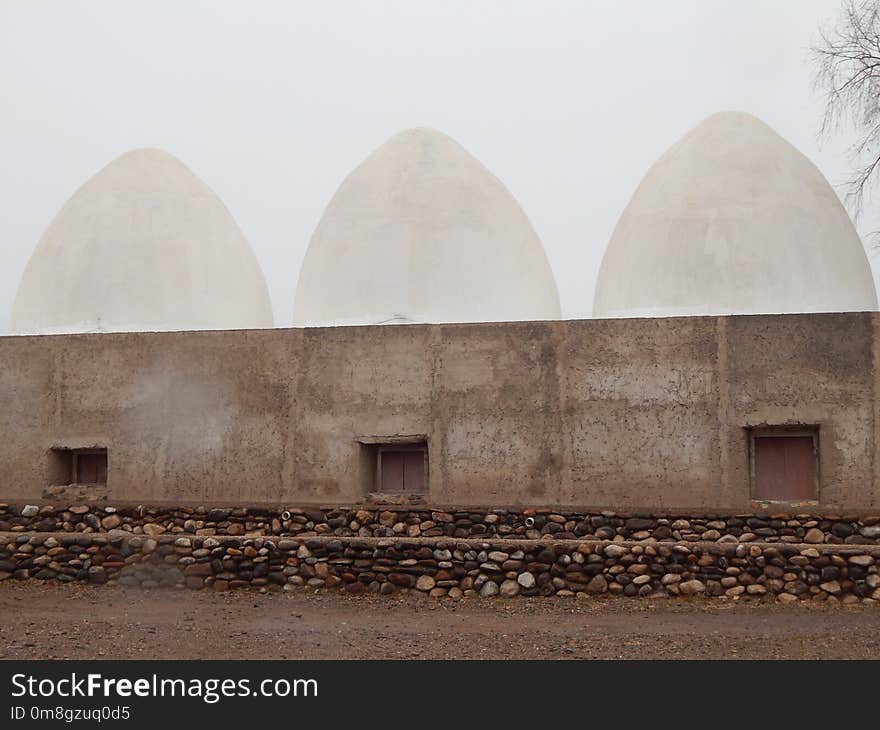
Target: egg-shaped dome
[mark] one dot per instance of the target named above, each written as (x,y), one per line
(143,245)
(733,220)
(422,232)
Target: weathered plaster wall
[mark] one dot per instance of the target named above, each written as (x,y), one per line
(596,413)
(641,413)
(807,369)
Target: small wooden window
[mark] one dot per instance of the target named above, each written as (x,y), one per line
(785,465)
(90,467)
(402,469)
(394,467)
(78,466)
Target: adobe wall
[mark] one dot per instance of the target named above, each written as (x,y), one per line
(630,414)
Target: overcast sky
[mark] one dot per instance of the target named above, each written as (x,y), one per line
(273,103)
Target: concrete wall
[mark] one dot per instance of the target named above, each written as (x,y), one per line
(637,414)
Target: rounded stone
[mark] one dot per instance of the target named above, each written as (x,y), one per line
(614,551)
(509,589)
(111,522)
(692,587)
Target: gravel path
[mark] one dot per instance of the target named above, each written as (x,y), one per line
(39,621)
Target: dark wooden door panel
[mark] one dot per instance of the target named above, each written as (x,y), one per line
(414,471)
(392,471)
(785,468)
(403,470)
(91,468)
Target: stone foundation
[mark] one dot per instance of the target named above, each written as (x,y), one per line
(454,568)
(388,522)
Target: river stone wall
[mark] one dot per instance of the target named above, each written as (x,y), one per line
(528,524)
(441,567)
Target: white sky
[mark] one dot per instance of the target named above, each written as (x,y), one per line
(273,103)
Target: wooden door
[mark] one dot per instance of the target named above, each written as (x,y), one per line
(91,468)
(414,471)
(392,471)
(785,468)
(403,470)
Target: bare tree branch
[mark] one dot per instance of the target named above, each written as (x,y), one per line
(847,60)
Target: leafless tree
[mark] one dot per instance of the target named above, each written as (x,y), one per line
(847,60)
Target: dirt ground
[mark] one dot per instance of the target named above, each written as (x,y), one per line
(43,621)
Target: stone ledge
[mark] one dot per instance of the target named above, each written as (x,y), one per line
(719,548)
(525,524)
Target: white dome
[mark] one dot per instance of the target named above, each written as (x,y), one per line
(733,220)
(422,232)
(143,245)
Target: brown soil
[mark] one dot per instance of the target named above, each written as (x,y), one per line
(41,621)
